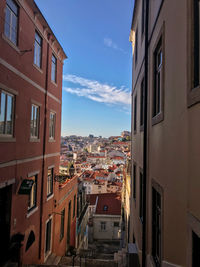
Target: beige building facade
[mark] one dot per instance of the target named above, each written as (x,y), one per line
(173,143)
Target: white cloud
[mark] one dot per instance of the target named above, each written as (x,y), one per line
(109,43)
(99,92)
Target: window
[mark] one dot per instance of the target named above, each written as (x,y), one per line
(74,208)
(143,16)
(62,224)
(53,68)
(135,114)
(48,236)
(142,103)
(32,201)
(157,90)
(195,250)
(35,115)
(11,21)
(196,54)
(116,224)
(141,195)
(52,123)
(105,207)
(134,181)
(103,226)
(38,50)
(6,113)
(156,227)
(50,182)
(136,46)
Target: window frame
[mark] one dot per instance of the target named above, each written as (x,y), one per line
(136,46)
(33,105)
(62,225)
(50,181)
(143,19)
(35,50)
(158,116)
(135,115)
(141,195)
(103,226)
(33,194)
(12,13)
(193,90)
(134,181)
(47,252)
(142,89)
(158,189)
(6,93)
(54,71)
(74,206)
(52,125)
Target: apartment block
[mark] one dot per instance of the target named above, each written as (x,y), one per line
(172,221)
(31,63)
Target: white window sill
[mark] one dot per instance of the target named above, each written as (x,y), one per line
(10,43)
(32,139)
(54,83)
(37,68)
(50,197)
(7,138)
(51,140)
(31,212)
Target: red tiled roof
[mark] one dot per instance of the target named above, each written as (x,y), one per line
(112,201)
(117,157)
(91,198)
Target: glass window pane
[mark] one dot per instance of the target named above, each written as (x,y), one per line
(7,22)
(37,50)
(9,114)
(2,113)
(13,6)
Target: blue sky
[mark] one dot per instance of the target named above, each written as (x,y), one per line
(97,74)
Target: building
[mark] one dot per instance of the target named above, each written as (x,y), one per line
(106,217)
(82,218)
(165,221)
(31,63)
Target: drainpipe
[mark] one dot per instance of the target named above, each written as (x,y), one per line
(145,138)
(44,148)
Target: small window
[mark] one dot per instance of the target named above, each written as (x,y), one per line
(62,224)
(38,50)
(156,226)
(143,17)
(142,103)
(74,208)
(116,224)
(195,250)
(157,90)
(35,115)
(135,114)
(52,123)
(105,207)
(196,43)
(11,21)
(50,182)
(134,181)
(32,201)
(136,46)
(53,68)
(48,236)
(141,195)
(6,113)
(103,226)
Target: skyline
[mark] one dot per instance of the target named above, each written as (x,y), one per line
(97,74)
